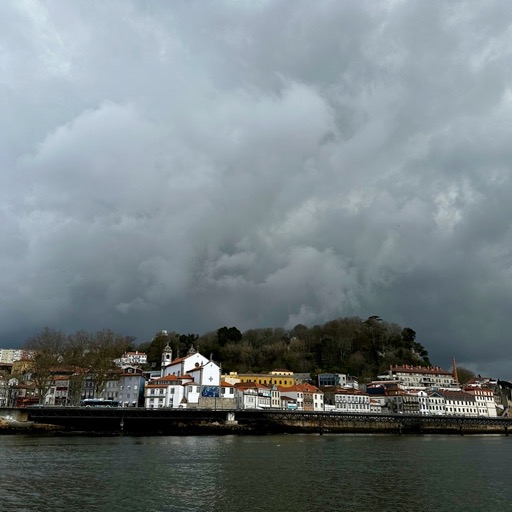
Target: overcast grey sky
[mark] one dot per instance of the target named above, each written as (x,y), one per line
(189,165)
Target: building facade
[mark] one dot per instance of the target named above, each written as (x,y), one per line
(278,377)
(306,396)
(190,381)
(131,387)
(346,399)
(422,377)
(341,380)
(134,359)
(252,395)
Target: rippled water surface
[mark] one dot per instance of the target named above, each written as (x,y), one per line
(273,473)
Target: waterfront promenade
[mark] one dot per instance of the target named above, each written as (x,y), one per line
(206,421)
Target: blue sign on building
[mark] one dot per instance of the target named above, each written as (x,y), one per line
(210,391)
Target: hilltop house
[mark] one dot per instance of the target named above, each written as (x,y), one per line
(420,377)
(132,359)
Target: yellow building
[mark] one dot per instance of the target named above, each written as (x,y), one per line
(279,377)
(21,366)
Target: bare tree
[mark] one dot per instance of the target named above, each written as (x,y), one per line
(464,374)
(46,350)
(77,354)
(106,346)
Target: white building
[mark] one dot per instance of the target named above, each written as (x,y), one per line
(436,404)
(4,392)
(377,404)
(58,393)
(132,359)
(484,400)
(275,398)
(9,355)
(458,403)
(421,377)
(227,390)
(443,402)
(206,374)
(252,395)
(182,365)
(346,399)
(183,381)
(169,391)
(306,396)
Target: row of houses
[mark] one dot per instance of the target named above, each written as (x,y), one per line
(132,390)
(196,381)
(467,401)
(124,386)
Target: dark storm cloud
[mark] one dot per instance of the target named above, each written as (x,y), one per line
(198,164)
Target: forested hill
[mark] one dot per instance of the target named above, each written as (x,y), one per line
(362,348)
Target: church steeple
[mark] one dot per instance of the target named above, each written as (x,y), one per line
(166,355)
(454,371)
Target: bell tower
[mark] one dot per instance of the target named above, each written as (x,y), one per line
(166,354)
(454,372)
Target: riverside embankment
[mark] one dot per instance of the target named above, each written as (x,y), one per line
(140,421)
(15,421)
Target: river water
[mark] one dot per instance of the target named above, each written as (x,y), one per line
(288,473)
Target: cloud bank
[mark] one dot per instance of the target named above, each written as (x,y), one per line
(191,165)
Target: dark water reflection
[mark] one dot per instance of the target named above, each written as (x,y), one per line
(274,473)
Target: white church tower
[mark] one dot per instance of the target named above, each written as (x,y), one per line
(166,356)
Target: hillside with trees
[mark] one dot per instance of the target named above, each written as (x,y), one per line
(362,348)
